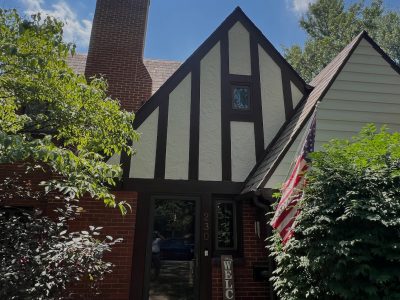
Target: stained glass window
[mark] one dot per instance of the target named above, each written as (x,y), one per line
(241,98)
(225,225)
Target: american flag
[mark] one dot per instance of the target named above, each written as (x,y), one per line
(292,190)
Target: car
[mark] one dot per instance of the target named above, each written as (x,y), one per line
(177,249)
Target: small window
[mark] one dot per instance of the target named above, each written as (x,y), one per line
(226,233)
(241,98)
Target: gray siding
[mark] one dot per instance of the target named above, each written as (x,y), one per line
(367,90)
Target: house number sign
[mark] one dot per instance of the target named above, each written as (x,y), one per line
(228,285)
(206,227)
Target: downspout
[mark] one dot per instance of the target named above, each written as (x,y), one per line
(258,203)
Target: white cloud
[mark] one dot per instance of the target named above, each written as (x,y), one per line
(300,6)
(75,30)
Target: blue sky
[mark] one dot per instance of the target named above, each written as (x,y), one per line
(177,27)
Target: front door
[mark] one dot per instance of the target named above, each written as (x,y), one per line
(172,259)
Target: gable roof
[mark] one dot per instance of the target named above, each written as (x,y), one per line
(159,70)
(276,151)
(236,16)
(192,64)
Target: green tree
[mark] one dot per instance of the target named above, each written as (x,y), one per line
(52,122)
(330,26)
(346,243)
(52,118)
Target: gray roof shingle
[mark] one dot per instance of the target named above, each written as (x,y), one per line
(77,63)
(159,70)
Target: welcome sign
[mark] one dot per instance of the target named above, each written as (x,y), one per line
(228,284)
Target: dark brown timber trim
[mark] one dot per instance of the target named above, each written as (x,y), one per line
(194,124)
(225,110)
(273,53)
(161,96)
(287,95)
(217,35)
(256,98)
(140,246)
(234,78)
(241,117)
(185,68)
(162,131)
(181,186)
(125,162)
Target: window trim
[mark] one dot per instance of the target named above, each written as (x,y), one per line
(235,242)
(237,250)
(241,85)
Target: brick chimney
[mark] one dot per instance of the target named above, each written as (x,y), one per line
(116,50)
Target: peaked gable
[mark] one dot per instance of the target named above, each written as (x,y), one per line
(361,85)
(195,104)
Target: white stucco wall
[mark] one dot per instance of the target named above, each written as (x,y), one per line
(242,150)
(143,163)
(239,50)
(178,134)
(282,171)
(297,95)
(210,161)
(273,106)
(114,160)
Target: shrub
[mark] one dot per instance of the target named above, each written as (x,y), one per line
(347,237)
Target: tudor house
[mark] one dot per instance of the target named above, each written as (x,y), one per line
(219,132)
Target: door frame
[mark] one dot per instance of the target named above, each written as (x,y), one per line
(197,247)
(202,190)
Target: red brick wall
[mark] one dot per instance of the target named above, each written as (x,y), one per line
(15,171)
(254,252)
(116,284)
(116,50)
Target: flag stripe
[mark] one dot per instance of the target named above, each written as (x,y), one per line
(287,209)
(284,206)
(287,218)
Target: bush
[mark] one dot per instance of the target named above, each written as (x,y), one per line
(347,237)
(40,256)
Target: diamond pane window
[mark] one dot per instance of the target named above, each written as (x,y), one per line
(241,98)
